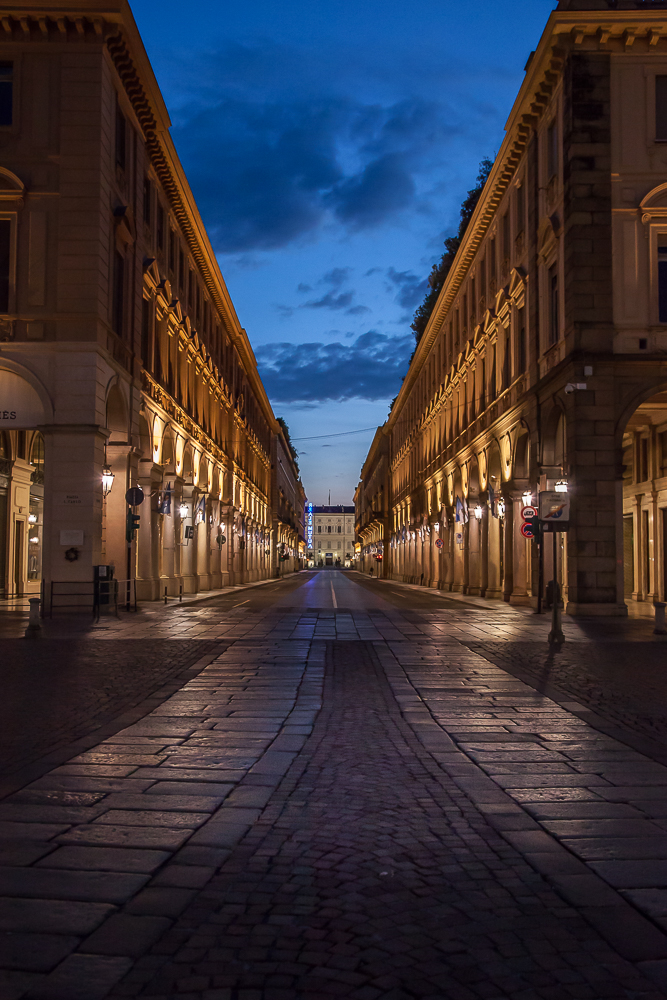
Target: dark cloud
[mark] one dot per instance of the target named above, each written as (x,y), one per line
(371,367)
(410,289)
(330,301)
(272,155)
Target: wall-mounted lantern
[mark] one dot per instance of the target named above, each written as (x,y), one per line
(183,510)
(478,511)
(561,486)
(107,480)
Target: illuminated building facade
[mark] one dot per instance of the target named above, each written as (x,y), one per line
(545,356)
(333,536)
(120,349)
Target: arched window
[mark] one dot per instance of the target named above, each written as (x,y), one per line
(37,458)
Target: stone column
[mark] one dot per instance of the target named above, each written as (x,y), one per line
(519,593)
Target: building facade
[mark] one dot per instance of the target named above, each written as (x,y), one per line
(371,504)
(544,360)
(120,349)
(333,536)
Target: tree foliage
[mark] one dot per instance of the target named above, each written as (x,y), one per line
(288,439)
(440,270)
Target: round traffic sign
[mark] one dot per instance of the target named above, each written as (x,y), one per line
(528,512)
(439,543)
(527,531)
(134,496)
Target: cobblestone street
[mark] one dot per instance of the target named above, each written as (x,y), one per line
(339,791)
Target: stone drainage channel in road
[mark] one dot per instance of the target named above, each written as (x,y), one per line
(100,857)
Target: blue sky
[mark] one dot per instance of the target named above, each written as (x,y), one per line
(329,146)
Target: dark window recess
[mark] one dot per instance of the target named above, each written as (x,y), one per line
(121,139)
(520,210)
(171,263)
(662,280)
(643,343)
(181,272)
(523,344)
(554,319)
(506,236)
(661,108)
(118,293)
(146,317)
(5,263)
(160,227)
(148,201)
(6,93)
(552,150)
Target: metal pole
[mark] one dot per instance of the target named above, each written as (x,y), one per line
(540,571)
(129,571)
(556,636)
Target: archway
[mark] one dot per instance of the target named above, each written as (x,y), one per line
(643,504)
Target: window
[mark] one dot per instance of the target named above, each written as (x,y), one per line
(339,529)
(552,150)
(146,324)
(6,93)
(181,270)
(5,263)
(552,291)
(171,263)
(328,529)
(118,293)
(148,201)
(121,138)
(160,227)
(662,278)
(506,236)
(519,210)
(319,529)
(523,344)
(661,109)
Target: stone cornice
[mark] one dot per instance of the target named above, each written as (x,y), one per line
(565,31)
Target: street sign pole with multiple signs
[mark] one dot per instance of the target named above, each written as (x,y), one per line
(554,511)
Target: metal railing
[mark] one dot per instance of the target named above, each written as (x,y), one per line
(97,597)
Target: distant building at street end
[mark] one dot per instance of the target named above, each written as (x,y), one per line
(123,363)
(332,535)
(543,365)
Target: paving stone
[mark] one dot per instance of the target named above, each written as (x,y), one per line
(165,773)
(164,803)
(226,834)
(632,874)
(102,835)
(34,952)
(152,818)
(218,790)
(126,934)
(51,916)
(13,853)
(183,876)
(96,886)
(15,985)
(81,977)
(106,859)
(30,831)
(161,901)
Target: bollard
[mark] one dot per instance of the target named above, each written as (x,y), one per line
(180,592)
(660,627)
(165,595)
(34,627)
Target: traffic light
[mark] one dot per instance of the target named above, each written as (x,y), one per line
(131,524)
(531,528)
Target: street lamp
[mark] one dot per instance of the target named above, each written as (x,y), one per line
(561,486)
(501,508)
(183,510)
(527,498)
(478,511)
(107,480)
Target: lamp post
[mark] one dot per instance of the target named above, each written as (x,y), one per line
(556,636)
